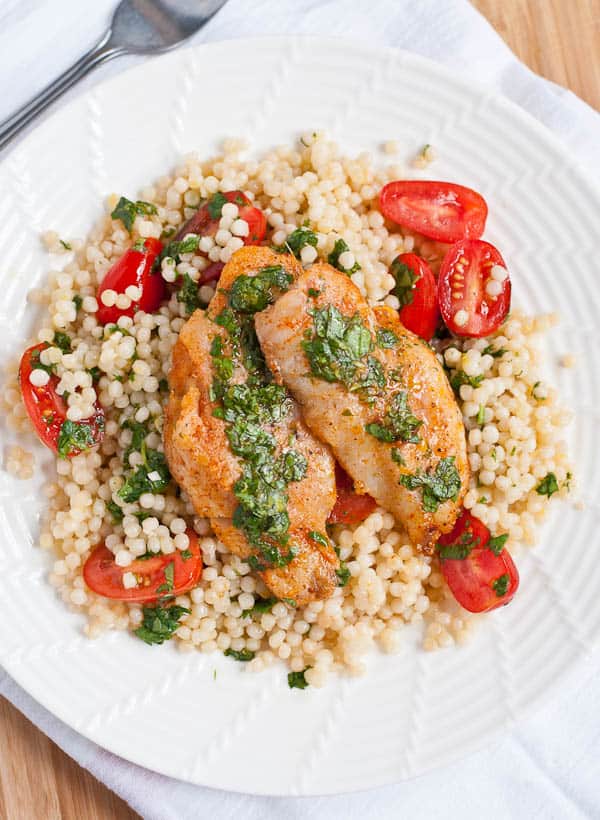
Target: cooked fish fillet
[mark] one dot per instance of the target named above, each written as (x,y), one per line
(201,460)
(339,415)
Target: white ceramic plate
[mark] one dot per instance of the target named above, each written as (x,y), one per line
(413,711)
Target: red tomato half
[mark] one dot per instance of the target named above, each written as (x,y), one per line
(48,410)
(439,210)
(463,288)
(205,222)
(212,273)
(350,508)
(482,580)
(103,576)
(133,268)
(419,306)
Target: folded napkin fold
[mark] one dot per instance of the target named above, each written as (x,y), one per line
(549,767)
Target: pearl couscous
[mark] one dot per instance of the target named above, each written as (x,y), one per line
(513,419)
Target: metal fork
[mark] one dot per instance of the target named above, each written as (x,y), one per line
(137,27)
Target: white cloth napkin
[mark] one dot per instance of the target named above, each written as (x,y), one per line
(548,767)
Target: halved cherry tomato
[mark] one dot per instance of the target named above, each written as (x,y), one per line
(205,222)
(481,580)
(133,268)
(464,284)
(48,411)
(105,577)
(439,210)
(350,507)
(417,290)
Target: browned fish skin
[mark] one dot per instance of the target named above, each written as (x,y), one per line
(338,416)
(201,460)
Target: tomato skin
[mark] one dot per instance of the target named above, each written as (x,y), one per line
(471,579)
(350,508)
(439,210)
(103,576)
(47,409)
(202,223)
(469,279)
(422,315)
(212,273)
(133,268)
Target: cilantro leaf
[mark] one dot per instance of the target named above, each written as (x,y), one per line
(215,205)
(159,623)
(297,240)
(74,436)
(126,211)
(386,338)
(500,585)
(339,248)
(250,294)
(115,511)
(243,655)
(261,605)
(297,680)
(399,424)
(496,544)
(441,485)
(460,378)
(151,477)
(548,485)
(406,279)
(189,294)
(62,341)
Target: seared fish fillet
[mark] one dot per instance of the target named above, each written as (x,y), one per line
(202,462)
(414,460)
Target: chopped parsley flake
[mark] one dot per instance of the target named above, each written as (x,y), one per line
(188,294)
(441,485)
(490,351)
(399,424)
(215,205)
(115,511)
(62,341)
(77,301)
(243,655)
(319,538)
(152,476)
(250,294)
(261,605)
(74,437)
(496,544)
(297,240)
(159,623)
(386,338)
(500,585)
(126,211)
(460,378)
(297,680)
(339,248)
(481,415)
(169,579)
(548,485)
(66,245)
(404,289)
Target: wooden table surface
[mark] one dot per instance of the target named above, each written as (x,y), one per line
(559,39)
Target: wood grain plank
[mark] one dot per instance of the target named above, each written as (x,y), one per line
(559,39)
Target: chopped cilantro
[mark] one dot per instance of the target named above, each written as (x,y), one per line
(297,680)
(243,655)
(167,586)
(496,544)
(66,245)
(319,538)
(175,249)
(62,341)
(490,351)
(339,248)
(74,437)
(290,602)
(313,292)
(95,373)
(188,294)
(399,424)
(140,482)
(386,338)
(159,623)
(186,554)
(500,585)
(126,211)
(404,289)
(460,549)
(215,205)
(261,605)
(481,415)
(115,511)
(398,457)
(298,239)
(77,301)
(343,574)
(441,485)
(460,378)
(250,294)
(36,363)
(548,485)
(163,386)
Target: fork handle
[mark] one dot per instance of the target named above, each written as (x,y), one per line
(100,53)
